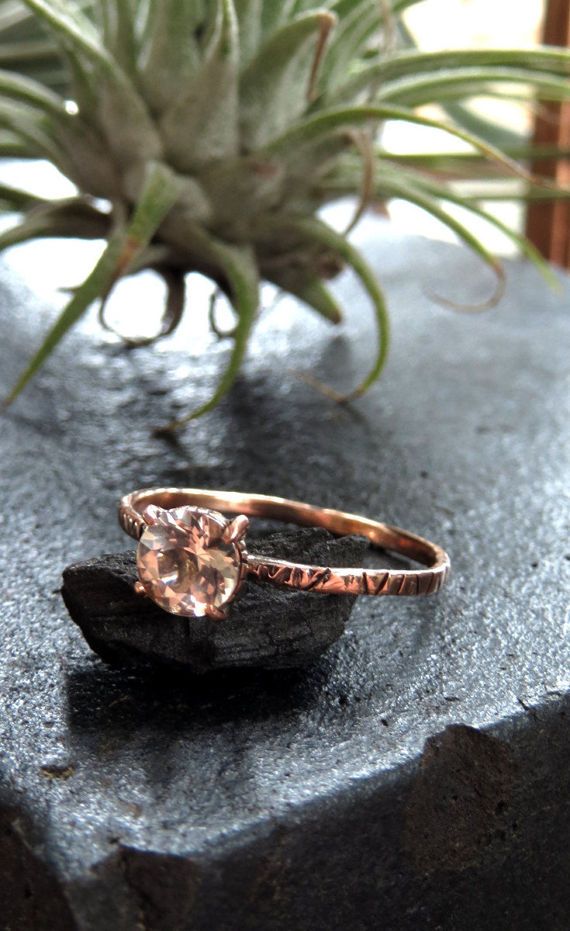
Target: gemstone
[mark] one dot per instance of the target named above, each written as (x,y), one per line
(184,564)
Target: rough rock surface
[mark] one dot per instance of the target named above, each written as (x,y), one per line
(268,628)
(417,775)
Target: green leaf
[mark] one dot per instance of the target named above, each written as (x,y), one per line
(520,194)
(499,135)
(33,130)
(118,102)
(175,282)
(201,126)
(160,193)
(158,197)
(18,87)
(311,290)
(73,218)
(173,307)
(240,270)
(359,20)
(31,228)
(470,164)
(71,28)
(345,8)
(276,87)
(249,15)
(316,231)
(392,184)
(95,285)
(170,52)
(12,146)
(447,193)
(318,296)
(395,180)
(70,144)
(35,55)
(470,82)
(276,12)
(302,6)
(400,6)
(322,124)
(414,63)
(24,46)
(19,200)
(119,32)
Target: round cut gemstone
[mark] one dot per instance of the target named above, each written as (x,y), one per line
(184,564)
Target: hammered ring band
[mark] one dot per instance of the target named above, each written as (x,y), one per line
(192,559)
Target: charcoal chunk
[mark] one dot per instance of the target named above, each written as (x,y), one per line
(268,627)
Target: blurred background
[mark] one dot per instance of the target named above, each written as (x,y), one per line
(444,24)
(439,24)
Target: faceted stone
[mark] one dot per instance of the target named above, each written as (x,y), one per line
(183,563)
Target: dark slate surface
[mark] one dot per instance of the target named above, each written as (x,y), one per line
(418,775)
(267,627)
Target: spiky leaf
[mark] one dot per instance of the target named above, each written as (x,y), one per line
(248,116)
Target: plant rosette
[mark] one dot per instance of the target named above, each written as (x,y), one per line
(206,135)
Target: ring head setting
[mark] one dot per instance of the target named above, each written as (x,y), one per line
(191,561)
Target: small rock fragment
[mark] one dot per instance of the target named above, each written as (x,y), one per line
(268,627)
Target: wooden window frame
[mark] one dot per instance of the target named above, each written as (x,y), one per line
(548,223)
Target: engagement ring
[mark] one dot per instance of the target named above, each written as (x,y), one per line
(192,560)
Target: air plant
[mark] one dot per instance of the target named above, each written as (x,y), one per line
(206,136)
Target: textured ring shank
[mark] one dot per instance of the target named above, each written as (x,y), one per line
(325,579)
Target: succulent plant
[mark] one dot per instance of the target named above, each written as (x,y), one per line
(205,135)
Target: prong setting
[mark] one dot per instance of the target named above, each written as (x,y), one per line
(190,560)
(151,514)
(216,614)
(236,529)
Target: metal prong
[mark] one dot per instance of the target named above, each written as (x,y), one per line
(139,588)
(151,513)
(216,614)
(236,529)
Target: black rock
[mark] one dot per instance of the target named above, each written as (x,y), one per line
(416,776)
(268,628)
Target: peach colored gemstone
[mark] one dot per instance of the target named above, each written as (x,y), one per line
(183,563)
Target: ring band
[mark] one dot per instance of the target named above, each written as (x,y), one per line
(192,560)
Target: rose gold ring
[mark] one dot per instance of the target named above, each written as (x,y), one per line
(192,560)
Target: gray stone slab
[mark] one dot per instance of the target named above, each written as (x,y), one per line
(417,776)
